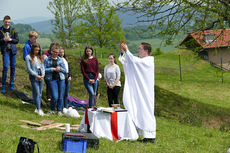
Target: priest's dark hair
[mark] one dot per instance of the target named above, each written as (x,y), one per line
(147,47)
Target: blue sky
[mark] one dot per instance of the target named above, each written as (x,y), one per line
(19,9)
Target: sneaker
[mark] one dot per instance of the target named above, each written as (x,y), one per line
(36,110)
(40,112)
(50,113)
(59,113)
(3,89)
(12,87)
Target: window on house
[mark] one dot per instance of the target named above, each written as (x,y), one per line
(209,38)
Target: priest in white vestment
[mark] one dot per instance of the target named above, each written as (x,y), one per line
(138,96)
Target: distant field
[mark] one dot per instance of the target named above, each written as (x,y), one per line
(44,42)
(156,43)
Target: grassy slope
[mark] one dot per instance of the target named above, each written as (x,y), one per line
(192,115)
(155,42)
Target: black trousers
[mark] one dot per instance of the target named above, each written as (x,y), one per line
(113,95)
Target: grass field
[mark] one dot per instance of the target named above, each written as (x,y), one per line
(155,42)
(192,115)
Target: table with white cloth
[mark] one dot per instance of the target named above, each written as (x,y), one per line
(113,126)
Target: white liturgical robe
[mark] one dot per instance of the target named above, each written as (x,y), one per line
(138,96)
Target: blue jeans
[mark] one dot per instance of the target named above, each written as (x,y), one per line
(67,87)
(92,90)
(8,56)
(36,91)
(57,89)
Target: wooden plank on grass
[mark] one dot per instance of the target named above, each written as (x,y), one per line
(46,122)
(75,125)
(51,126)
(72,128)
(31,123)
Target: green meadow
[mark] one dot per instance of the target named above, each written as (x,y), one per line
(192,115)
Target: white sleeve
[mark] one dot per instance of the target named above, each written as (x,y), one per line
(105,71)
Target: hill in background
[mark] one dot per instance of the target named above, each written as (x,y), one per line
(43,24)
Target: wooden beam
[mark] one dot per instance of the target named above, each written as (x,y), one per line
(31,123)
(51,126)
(46,122)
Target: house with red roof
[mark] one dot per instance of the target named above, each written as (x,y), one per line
(212,45)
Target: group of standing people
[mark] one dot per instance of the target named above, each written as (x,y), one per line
(55,70)
(52,66)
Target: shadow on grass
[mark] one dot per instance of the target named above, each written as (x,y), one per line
(189,111)
(8,102)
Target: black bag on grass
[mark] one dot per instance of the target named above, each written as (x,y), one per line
(26,145)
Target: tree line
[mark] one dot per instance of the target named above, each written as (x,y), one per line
(130,33)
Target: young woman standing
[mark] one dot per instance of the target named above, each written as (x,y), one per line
(36,70)
(112,75)
(62,55)
(90,71)
(55,75)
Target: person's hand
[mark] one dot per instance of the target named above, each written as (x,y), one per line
(92,81)
(111,87)
(6,39)
(123,47)
(69,79)
(39,77)
(57,69)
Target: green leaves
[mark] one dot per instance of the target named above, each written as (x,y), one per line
(99,26)
(66,13)
(92,22)
(181,15)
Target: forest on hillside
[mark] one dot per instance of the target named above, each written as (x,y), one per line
(131,33)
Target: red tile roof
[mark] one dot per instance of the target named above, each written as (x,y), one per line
(222,38)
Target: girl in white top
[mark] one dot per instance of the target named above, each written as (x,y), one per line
(67,76)
(112,75)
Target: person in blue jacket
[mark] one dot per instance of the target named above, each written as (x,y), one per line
(33,36)
(55,75)
(8,40)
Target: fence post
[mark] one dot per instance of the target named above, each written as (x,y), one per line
(222,74)
(180,68)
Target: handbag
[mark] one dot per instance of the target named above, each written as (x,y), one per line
(26,145)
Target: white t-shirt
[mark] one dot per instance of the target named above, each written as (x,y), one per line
(112,73)
(66,64)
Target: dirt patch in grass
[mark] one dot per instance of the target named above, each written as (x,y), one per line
(216,122)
